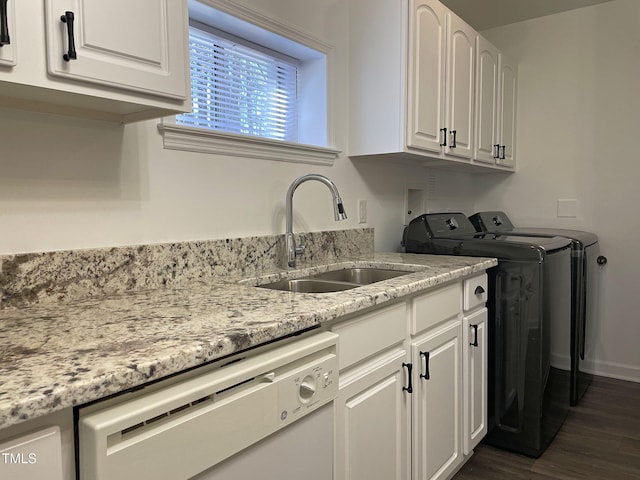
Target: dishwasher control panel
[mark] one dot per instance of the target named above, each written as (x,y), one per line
(307,388)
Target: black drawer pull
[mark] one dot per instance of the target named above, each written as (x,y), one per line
(475,338)
(454,133)
(426,374)
(479,290)
(504,150)
(4,24)
(409,367)
(496,151)
(602,260)
(68,18)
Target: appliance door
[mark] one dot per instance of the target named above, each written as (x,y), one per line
(591,302)
(233,417)
(587,325)
(302,450)
(515,307)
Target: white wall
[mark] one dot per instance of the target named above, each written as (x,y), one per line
(67,183)
(578,121)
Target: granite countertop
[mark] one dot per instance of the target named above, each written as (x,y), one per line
(57,355)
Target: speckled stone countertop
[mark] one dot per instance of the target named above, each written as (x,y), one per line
(55,355)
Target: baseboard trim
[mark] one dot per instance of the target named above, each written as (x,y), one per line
(619,371)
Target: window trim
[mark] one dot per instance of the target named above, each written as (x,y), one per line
(180,137)
(192,139)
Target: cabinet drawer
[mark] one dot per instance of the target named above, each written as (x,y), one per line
(365,335)
(435,307)
(475,292)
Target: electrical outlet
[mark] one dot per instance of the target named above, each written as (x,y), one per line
(414,202)
(362,211)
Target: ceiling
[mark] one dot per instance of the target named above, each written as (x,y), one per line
(484,14)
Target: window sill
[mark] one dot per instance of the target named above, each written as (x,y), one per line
(190,139)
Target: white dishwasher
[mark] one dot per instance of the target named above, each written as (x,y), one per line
(267,415)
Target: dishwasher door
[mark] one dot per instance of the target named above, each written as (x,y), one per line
(181,430)
(303,450)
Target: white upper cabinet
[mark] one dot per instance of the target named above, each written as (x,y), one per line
(460,87)
(507,112)
(486,146)
(118,60)
(440,78)
(8,36)
(118,43)
(413,85)
(427,74)
(496,80)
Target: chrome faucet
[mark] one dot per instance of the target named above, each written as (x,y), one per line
(338,212)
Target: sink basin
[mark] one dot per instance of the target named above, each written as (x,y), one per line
(361,276)
(309,285)
(335,281)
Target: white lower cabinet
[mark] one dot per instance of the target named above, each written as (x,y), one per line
(372,413)
(412,401)
(372,408)
(475,381)
(437,402)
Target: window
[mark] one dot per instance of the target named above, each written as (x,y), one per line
(260,88)
(241,88)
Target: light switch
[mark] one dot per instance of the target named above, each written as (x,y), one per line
(567,207)
(362,211)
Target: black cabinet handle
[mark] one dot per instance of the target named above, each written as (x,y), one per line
(475,337)
(602,260)
(409,368)
(4,24)
(68,18)
(496,151)
(443,131)
(479,290)
(504,148)
(426,374)
(453,139)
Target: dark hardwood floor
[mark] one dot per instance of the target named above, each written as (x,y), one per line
(600,439)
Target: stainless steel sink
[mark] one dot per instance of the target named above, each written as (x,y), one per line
(335,281)
(361,276)
(309,285)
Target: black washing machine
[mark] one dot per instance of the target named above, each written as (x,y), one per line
(577,351)
(529,291)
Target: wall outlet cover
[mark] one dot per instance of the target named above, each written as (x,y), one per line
(567,208)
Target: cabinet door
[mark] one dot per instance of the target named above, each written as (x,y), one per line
(136,46)
(372,433)
(426,96)
(460,85)
(475,379)
(437,443)
(507,111)
(485,143)
(9,39)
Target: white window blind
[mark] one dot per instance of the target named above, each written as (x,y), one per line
(241,90)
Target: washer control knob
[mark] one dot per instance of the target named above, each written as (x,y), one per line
(307,388)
